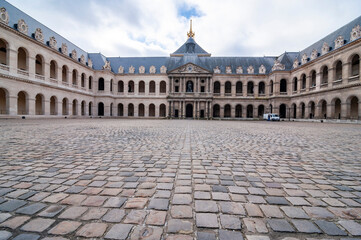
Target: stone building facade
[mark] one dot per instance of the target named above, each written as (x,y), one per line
(43,74)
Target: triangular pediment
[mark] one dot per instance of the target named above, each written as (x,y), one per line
(189,68)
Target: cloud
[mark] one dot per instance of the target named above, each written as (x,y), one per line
(223,28)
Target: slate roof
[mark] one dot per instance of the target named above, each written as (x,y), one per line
(15,15)
(180,56)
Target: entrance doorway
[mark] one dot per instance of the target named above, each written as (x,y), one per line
(189,111)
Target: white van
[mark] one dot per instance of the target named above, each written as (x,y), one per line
(271,117)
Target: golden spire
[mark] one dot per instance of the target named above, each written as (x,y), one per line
(190,34)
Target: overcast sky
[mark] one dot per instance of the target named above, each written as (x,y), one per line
(134,28)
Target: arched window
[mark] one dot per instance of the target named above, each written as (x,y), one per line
(100,109)
(238,110)
(249,111)
(163,87)
(39,104)
(261,88)
(216,110)
(324,76)
(23,103)
(303,77)
(338,75)
(3,52)
(152,110)
(216,87)
(65,106)
(120,110)
(355,65)
(130,110)
(64,74)
(228,88)
(90,82)
(162,110)
(75,107)
(283,86)
(282,110)
(101,85)
(141,87)
(313,79)
(83,108)
(83,80)
(4,101)
(227,111)
(120,86)
(53,70)
(151,87)
(239,88)
(75,77)
(53,106)
(141,110)
(90,108)
(39,65)
(111,85)
(260,111)
(295,84)
(22,59)
(250,90)
(130,87)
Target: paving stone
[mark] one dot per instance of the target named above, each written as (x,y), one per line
(298,201)
(156,218)
(231,208)
(230,222)
(4,235)
(206,220)
(65,227)
(206,206)
(15,222)
(119,231)
(253,210)
(27,236)
(54,198)
(179,237)
(305,226)
(280,225)
(135,217)
(114,202)
(182,199)
(179,226)
(271,211)
(206,236)
(277,200)
(73,212)
(147,233)
(330,228)
(37,225)
(257,237)
(136,203)
(12,205)
(318,212)
(74,199)
(229,235)
(220,196)
(31,209)
(351,226)
(294,212)
(114,215)
(51,211)
(202,195)
(94,201)
(158,204)
(181,211)
(92,230)
(4,216)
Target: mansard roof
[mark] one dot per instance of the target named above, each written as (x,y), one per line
(15,15)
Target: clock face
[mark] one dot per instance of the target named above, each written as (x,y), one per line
(190,68)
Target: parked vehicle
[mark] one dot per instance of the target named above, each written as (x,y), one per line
(271,117)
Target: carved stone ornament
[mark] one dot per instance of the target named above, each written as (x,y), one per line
(262,69)
(90,63)
(131,69)
(163,69)
(121,69)
(74,54)
(278,66)
(141,69)
(39,35)
(217,70)
(314,54)
(152,69)
(4,16)
(82,59)
(304,58)
(295,63)
(107,66)
(239,70)
(64,49)
(250,70)
(22,26)
(228,70)
(339,42)
(52,42)
(355,33)
(325,48)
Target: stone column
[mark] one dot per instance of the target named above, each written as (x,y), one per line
(31,106)
(233,91)
(345,110)
(233,111)
(244,111)
(169,109)
(318,81)
(170,79)
(359,109)
(210,113)
(308,80)
(345,72)
(244,89)
(331,76)
(46,107)
(13,61)
(13,105)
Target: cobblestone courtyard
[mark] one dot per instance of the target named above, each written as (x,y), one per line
(179,179)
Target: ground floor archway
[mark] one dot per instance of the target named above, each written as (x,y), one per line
(260,111)
(189,110)
(249,111)
(53,106)
(227,111)
(120,110)
(141,110)
(238,110)
(162,110)
(354,108)
(283,111)
(152,110)
(216,110)
(39,104)
(23,104)
(100,109)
